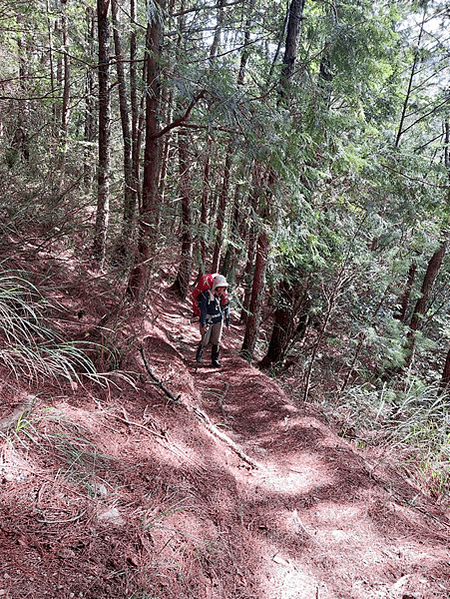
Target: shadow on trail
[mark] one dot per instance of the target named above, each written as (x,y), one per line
(319,500)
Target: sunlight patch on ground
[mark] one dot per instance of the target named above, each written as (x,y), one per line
(13,467)
(301,478)
(346,528)
(290,579)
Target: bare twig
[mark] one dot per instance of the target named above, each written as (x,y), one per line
(210,426)
(64,521)
(166,441)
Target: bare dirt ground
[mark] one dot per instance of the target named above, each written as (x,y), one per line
(230,492)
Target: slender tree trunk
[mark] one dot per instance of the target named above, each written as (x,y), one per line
(204,207)
(20,142)
(254,318)
(411,79)
(181,284)
(220,222)
(139,276)
(228,260)
(104,134)
(289,300)
(291,49)
(135,130)
(51,58)
(248,271)
(246,52)
(126,243)
(252,236)
(228,266)
(278,50)
(89,118)
(65,113)
(59,74)
(218,30)
(165,154)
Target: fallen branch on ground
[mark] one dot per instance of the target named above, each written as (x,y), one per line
(166,441)
(157,381)
(210,426)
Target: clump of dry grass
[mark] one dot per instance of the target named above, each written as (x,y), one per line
(29,347)
(412,423)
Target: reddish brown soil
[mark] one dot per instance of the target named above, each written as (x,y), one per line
(118,492)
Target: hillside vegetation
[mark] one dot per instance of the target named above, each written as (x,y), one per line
(301,150)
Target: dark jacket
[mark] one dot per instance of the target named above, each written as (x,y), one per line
(212,310)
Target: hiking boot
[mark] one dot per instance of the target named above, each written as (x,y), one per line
(199,354)
(215,356)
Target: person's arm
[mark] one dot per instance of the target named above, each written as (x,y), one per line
(226,314)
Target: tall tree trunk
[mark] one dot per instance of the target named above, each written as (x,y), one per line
(252,236)
(247,278)
(246,52)
(228,266)
(139,276)
(218,30)
(165,152)
(104,133)
(262,195)
(220,222)
(51,58)
(181,284)
(59,75)
(254,317)
(228,260)
(411,79)
(204,206)
(284,328)
(19,145)
(65,112)
(135,129)
(125,244)
(89,118)
(277,52)
(291,48)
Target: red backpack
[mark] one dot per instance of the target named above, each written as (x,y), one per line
(204,282)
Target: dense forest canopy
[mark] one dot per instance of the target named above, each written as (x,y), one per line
(300,148)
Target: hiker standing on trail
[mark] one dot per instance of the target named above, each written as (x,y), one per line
(214,310)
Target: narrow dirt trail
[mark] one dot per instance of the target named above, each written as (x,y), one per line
(324,520)
(232,492)
(326,523)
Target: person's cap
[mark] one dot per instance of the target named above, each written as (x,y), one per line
(219,281)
